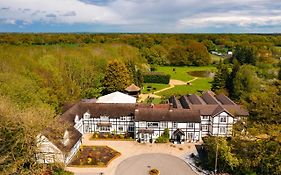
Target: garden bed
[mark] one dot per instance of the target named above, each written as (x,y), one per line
(94,156)
(109,136)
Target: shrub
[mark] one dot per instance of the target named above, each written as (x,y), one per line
(156,77)
(154,171)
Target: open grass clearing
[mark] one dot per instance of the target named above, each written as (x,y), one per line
(152,87)
(180,73)
(200,84)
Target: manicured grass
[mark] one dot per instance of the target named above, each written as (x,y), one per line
(216,58)
(154,87)
(180,73)
(201,84)
(94,156)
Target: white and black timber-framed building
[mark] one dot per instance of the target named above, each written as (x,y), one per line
(188,119)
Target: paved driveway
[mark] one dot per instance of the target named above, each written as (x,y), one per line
(141,164)
(130,149)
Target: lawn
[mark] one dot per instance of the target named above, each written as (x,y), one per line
(94,156)
(216,58)
(180,73)
(201,84)
(153,87)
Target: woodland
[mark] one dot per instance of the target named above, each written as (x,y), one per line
(41,75)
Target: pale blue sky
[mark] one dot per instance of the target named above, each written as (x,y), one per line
(160,16)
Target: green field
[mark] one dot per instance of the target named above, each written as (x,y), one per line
(154,87)
(201,84)
(180,73)
(216,58)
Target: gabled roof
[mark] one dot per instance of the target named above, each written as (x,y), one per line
(55,135)
(210,104)
(132,88)
(116,97)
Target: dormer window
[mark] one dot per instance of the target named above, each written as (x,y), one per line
(87,115)
(76,119)
(65,137)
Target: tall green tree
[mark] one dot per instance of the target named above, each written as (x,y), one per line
(245,54)
(117,77)
(245,82)
(221,78)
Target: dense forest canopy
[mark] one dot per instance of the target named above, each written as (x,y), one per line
(41,73)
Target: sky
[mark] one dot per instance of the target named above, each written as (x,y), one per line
(141,16)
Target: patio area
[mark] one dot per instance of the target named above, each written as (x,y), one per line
(129,149)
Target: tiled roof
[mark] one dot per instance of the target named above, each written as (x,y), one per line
(132,88)
(211,104)
(177,115)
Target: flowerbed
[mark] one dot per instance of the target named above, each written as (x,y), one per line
(97,156)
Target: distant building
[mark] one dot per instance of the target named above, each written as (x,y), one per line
(188,119)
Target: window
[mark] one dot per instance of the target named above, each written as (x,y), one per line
(190,125)
(122,118)
(120,128)
(223,119)
(204,128)
(175,124)
(190,136)
(104,128)
(205,117)
(131,128)
(222,129)
(152,124)
(142,124)
(163,125)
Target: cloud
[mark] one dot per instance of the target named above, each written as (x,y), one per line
(8,21)
(51,15)
(70,13)
(148,15)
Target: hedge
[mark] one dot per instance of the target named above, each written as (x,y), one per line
(156,77)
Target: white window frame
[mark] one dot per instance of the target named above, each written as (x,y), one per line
(205,127)
(122,118)
(222,130)
(175,124)
(120,128)
(223,119)
(190,125)
(104,118)
(104,128)
(152,124)
(163,124)
(142,124)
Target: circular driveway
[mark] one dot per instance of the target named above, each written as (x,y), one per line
(141,164)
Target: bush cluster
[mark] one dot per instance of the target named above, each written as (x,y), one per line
(156,77)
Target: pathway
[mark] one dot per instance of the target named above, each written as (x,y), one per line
(172,84)
(129,149)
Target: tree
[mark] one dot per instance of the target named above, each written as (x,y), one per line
(178,56)
(117,77)
(245,82)
(245,54)
(279,73)
(18,131)
(198,54)
(221,78)
(209,44)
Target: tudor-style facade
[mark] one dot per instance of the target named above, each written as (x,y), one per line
(188,119)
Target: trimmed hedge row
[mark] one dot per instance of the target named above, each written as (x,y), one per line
(156,77)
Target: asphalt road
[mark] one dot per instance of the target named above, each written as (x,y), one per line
(141,164)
